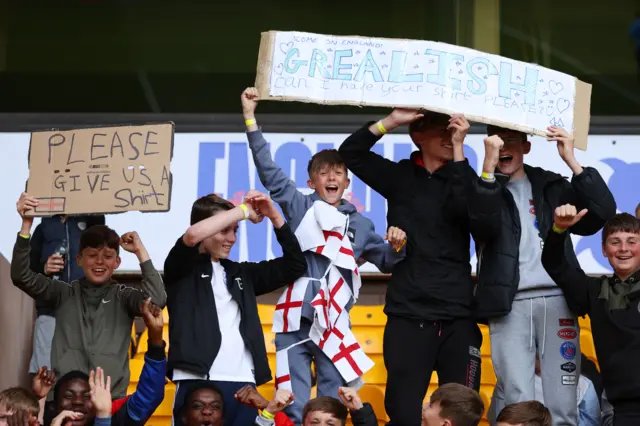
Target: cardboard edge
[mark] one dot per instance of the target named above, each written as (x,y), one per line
(581,114)
(265,63)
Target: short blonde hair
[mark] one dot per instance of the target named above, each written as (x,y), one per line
(15,399)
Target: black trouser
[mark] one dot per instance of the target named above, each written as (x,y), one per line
(414,349)
(626,413)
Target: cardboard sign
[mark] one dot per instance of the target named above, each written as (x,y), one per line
(101,170)
(486,88)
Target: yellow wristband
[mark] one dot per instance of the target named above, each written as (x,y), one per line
(267,415)
(488,176)
(557,230)
(250,122)
(245,210)
(381,127)
(26,237)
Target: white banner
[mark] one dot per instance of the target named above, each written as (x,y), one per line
(358,70)
(221,163)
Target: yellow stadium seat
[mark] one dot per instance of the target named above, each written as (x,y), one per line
(368,315)
(374,395)
(265,312)
(378,374)
(159,421)
(166,407)
(135,366)
(585,323)
(165,316)
(370,338)
(143,344)
(488,375)
(587,347)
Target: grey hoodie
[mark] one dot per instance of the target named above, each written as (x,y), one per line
(364,240)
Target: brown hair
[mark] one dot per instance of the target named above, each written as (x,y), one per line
(622,222)
(326,157)
(207,206)
(326,404)
(98,236)
(494,130)
(527,413)
(458,403)
(14,399)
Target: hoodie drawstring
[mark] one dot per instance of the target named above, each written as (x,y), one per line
(530,324)
(544,328)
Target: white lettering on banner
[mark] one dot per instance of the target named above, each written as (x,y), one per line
(413,73)
(221,163)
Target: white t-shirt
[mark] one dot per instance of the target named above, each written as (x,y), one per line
(234,362)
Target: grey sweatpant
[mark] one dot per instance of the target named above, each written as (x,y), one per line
(542,325)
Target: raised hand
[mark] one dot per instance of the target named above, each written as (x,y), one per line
(152,316)
(249,395)
(42,382)
(131,242)
(400,116)
(55,263)
(100,392)
(280,401)
(249,99)
(25,203)
(460,126)
(492,146)
(350,398)
(68,415)
(396,237)
(564,141)
(567,215)
(264,206)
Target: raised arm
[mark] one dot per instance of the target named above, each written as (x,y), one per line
(373,169)
(150,389)
(587,189)
(385,255)
(282,189)
(575,284)
(270,275)
(46,291)
(485,200)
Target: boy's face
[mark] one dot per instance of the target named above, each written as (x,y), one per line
(75,395)
(4,413)
(204,408)
(512,153)
(623,251)
(98,264)
(431,415)
(219,245)
(330,182)
(435,142)
(321,418)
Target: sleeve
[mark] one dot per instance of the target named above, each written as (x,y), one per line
(481,202)
(589,191)
(364,416)
(44,290)
(36,243)
(102,421)
(150,389)
(151,286)
(282,189)
(263,421)
(575,284)
(179,262)
(270,275)
(373,169)
(589,408)
(381,253)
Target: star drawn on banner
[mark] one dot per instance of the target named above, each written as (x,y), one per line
(356,64)
(517,94)
(479,67)
(551,101)
(460,71)
(545,93)
(458,63)
(431,61)
(416,53)
(518,78)
(329,50)
(357,52)
(383,53)
(385,66)
(541,81)
(540,101)
(416,66)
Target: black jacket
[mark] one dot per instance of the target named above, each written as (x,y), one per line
(433,282)
(498,258)
(194,332)
(616,333)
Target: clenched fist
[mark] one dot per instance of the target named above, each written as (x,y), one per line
(492,146)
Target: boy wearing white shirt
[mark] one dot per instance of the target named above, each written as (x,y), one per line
(214,329)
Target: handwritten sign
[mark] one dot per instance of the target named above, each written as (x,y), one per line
(101,170)
(354,70)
